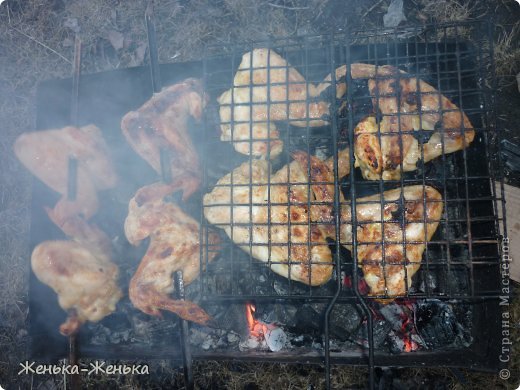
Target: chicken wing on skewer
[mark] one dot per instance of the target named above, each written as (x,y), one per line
(162,122)
(410,218)
(46,154)
(79,271)
(174,245)
(407,104)
(276,212)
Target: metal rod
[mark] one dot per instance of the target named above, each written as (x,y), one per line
(75,82)
(75,382)
(72,178)
(353,213)
(185,343)
(337,222)
(152,48)
(166,172)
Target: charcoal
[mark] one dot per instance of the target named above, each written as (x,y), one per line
(277,313)
(396,342)
(381,331)
(308,320)
(233,319)
(436,323)
(344,320)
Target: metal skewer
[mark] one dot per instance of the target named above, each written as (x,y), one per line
(72,188)
(185,345)
(155,74)
(152,47)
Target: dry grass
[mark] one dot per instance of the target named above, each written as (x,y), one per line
(37,44)
(444,11)
(507,51)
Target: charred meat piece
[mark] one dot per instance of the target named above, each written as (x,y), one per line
(407,221)
(46,154)
(79,271)
(270,214)
(162,124)
(174,245)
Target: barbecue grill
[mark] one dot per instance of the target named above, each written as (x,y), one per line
(460,274)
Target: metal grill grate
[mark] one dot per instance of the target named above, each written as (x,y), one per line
(462,258)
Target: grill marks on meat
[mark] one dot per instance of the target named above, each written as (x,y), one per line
(174,245)
(404,225)
(267,89)
(46,155)
(267,215)
(407,105)
(162,123)
(79,271)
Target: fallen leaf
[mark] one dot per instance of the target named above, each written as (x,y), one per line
(116,39)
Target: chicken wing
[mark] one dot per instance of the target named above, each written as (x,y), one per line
(266,89)
(406,104)
(46,154)
(268,216)
(174,245)
(408,220)
(162,123)
(79,271)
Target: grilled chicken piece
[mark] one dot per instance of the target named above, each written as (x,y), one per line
(46,154)
(162,123)
(266,89)
(174,245)
(246,201)
(410,218)
(79,271)
(406,104)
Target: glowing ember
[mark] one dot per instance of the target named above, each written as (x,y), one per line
(256,328)
(261,334)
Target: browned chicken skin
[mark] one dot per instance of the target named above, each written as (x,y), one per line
(407,229)
(80,271)
(174,245)
(46,154)
(162,122)
(267,208)
(407,104)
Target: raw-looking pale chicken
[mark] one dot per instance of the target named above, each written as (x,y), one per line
(162,123)
(46,155)
(407,104)
(409,219)
(267,89)
(174,245)
(79,271)
(263,216)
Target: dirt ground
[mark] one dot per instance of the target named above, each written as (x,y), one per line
(36,44)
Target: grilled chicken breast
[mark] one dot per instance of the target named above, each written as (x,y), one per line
(162,123)
(174,245)
(264,212)
(407,221)
(267,89)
